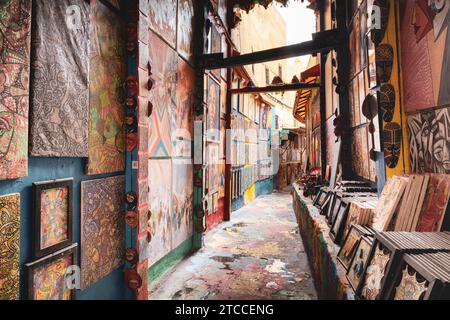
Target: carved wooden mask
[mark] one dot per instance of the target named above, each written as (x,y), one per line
(392,140)
(384,54)
(387,102)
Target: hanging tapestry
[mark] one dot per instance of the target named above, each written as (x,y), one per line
(185,28)
(14,96)
(163,19)
(107,73)
(435,204)
(425,43)
(60,79)
(164,68)
(158,242)
(375,274)
(429,141)
(102,228)
(9,246)
(182,199)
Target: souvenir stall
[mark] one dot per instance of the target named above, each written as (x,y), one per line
(379,227)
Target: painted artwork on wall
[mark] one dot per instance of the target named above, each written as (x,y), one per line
(15,19)
(60,65)
(425,43)
(53,216)
(360,152)
(213,117)
(160,223)
(182,201)
(106,136)
(356,269)
(410,288)
(375,273)
(185,28)
(47,276)
(429,141)
(9,246)
(164,68)
(163,19)
(183,127)
(102,228)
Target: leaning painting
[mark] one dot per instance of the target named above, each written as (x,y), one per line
(107,74)
(14,74)
(102,228)
(9,246)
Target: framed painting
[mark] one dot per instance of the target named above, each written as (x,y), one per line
(356,270)
(47,277)
(53,216)
(338,225)
(9,246)
(348,249)
(213,116)
(334,209)
(185,28)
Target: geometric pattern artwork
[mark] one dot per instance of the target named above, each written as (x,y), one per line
(164,68)
(14,95)
(425,44)
(59,80)
(185,28)
(429,140)
(375,274)
(410,288)
(102,228)
(163,19)
(9,246)
(107,74)
(435,204)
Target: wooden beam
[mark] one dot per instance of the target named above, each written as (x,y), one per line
(285,87)
(321,42)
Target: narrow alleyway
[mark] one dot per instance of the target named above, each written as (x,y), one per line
(257,255)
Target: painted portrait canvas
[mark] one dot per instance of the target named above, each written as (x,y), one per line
(15,20)
(185,28)
(213,116)
(102,228)
(9,246)
(106,136)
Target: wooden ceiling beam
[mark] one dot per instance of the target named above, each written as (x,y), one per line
(285,87)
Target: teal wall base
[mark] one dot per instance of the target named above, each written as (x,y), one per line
(170,260)
(264,187)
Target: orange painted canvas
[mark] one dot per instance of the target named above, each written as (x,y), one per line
(107,74)
(54,206)
(49,280)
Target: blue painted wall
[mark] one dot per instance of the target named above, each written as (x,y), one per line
(40,169)
(264,187)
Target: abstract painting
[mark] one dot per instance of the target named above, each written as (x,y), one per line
(53,216)
(47,276)
(425,43)
(102,228)
(375,274)
(163,19)
(435,204)
(348,250)
(185,28)
(429,141)
(9,246)
(160,223)
(182,200)
(60,65)
(106,138)
(164,69)
(15,19)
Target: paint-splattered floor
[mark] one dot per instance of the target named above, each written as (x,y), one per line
(257,255)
